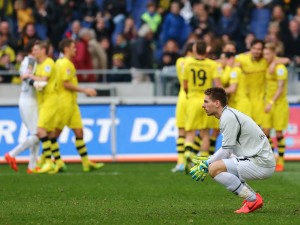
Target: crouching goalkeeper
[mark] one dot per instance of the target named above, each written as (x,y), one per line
(245,153)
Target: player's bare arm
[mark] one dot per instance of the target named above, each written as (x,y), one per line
(35,78)
(231,89)
(217,82)
(276,61)
(277,94)
(88,91)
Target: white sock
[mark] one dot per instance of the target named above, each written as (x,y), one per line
(29,142)
(234,184)
(34,151)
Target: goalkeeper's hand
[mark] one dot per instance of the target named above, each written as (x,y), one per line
(39,85)
(200,170)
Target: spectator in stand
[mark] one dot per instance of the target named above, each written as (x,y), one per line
(28,33)
(279,17)
(130,32)
(97,52)
(213,8)
(83,59)
(122,48)
(41,18)
(260,18)
(6,31)
(186,11)
(273,37)
(297,15)
(5,49)
(7,12)
(228,23)
(6,65)
(88,12)
(103,27)
(107,46)
(163,6)
(19,58)
(151,17)
(250,37)
(61,17)
(74,32)
(291,42)
(192,38)
(119,64)
(143,54)
(170,54)
(120,60)
(24,14)
(174,25)
(117,11)
(203,24)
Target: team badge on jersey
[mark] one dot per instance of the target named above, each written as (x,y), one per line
(47,68)
(280,72)
(233,74)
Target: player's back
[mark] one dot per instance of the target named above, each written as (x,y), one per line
(241,131)
(200,75)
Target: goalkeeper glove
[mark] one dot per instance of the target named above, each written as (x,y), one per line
(200,170)
(39,85)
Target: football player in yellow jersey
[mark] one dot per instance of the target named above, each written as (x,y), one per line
(276,105)
(69,111)
(254,67)
(199,74)
(47,99)
(233,81)
(181,108)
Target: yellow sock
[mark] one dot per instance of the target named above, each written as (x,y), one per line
(180,149)
(81,148)
(46,145)
(55,150)
(212,145)
(204,153)
(188,149)
(281,150)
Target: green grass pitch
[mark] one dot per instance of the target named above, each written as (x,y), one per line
(140,193)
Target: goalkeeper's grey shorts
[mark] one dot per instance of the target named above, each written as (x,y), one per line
(245,169)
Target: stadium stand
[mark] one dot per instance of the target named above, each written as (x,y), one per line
(118,29)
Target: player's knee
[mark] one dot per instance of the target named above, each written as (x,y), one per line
(215,168)
(78,133)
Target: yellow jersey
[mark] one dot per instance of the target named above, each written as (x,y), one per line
(200,75)
(225,76)
(180,71)
(281,73)
(66,71)
(254,73)
(237,77)
(47,69)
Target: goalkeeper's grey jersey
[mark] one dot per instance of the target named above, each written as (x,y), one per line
(245,138)
(28,66)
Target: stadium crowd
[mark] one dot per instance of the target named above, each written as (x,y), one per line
(125,34)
